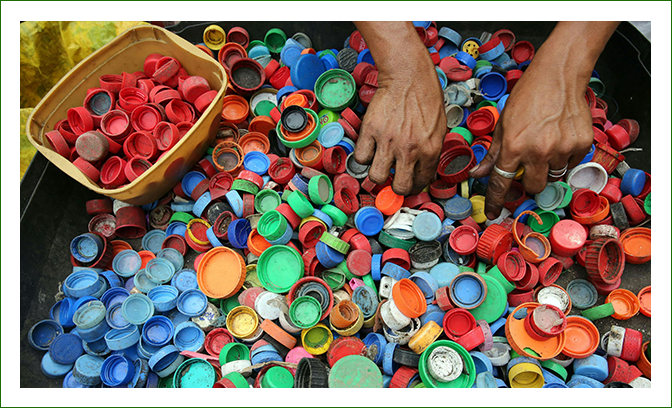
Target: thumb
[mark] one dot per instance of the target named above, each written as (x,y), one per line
(484,168)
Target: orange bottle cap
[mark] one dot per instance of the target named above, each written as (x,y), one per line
(388,202)
(625,303)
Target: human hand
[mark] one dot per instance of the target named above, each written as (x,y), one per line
(404,126)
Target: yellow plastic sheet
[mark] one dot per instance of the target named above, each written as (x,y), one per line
(49,49)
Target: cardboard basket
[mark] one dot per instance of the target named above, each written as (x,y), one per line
(127,53)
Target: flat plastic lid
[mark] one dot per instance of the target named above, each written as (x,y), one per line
(279,267)
(625,303)
(277,377)
(306,70)
(644,297)
(221,273)
(355,372)
(359,262)
(458,208)
(495,302)
(158,330)
(551,197)
(256,162)
(335,88)
(159,270)
(427,226)
(192,302)
(331,134)
(588,175)
(636,242)
(582,337)
(195,373)
(464,239)
(582,293)
(66,348)
(305,312)
(137,308)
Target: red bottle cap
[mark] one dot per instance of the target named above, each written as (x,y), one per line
(631,126)
(464,240)
(145,118)
(140,144)
(179,111)
(495,241)
(458,322)
(549,271)
(517,297)
(567,237)
(458,73)
(359,262)
(619,138)
(360,242)
(470,222)
(111,83)
(99,206)
(396,256)
(279,77)
(200,188)
(346,201)
(357,42)
(530,279)
(80,120)
(165,69)
(131,98)
(506,37)
(447,62)
(605,260)
(441,189)
(435,208)
(287,211)
(251,177)
(310,233)
(87,168)
(333,160)
(112,174)
(585,203)
(58,142)
(612,193)
(634,212)
(522,51)
(361,71)
(512,78)
(135,167)
(352,119)
(346,181)
(481,122)
(415,201)
(512,265)
(282,170)
(443,299)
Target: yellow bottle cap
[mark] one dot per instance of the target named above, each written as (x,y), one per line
(526,375)
(214,37)
(317,339)
(478,209)
(425,336)
(242,321)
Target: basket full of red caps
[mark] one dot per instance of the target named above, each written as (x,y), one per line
(275,262)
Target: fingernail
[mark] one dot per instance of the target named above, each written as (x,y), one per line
(491,216)
(472,171)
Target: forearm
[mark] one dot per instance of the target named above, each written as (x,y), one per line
(574,47)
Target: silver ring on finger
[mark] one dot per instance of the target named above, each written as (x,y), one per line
(505,174)
(558,173)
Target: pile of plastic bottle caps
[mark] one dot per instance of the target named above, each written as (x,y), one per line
(276,262)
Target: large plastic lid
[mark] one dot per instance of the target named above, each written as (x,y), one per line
(355,372)
(335,89)
(582,293)
(194,373)
(279,267)
(66,348)
(137,308)
(306,70)
(465,378)
(636,244)
(626,304)
(582,337)
(468,290)
(277,377)
(427,226)
(369,221)
(43,333)
(221,273)
(589,175)
(192,303)
(495,302)
(521,342)
(331,134)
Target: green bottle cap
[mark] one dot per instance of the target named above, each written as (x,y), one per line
(497,274)
(194,373)
(264,108)
(393,242)
(166,382)
(355,371)
(495,301)
(181,217)
(344,267)
(549,219)
(300,204)
(272,225)
(325,52)
(335,278)
(266,200)
(277,377)
(486,103)
(335,89)
(368,280)
(465,380)
(306,140)
(245,186)
(229,303)
(335,243)
(305,312)
(320,190)
(338,216)
(466,134)
(327,116)
(555,368)
(275,39)
(233,352)
(464,268)
(209,151)
(254,43)
(482,63)
(568,194)
(598,312)
(237,379)
(647,204)
(481,267)
(279,267)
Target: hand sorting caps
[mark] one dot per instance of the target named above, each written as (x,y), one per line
(307,271)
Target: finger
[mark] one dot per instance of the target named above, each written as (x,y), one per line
(485,166)
(365,147)
(403,177)
(574,161)
(425,170)
(381,165)
(498,186)
(557,164)
(535,177)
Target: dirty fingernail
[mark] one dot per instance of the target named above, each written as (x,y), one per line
(490,215)
(472,171)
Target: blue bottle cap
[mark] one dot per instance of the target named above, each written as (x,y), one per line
(52,369)
(127,263)
(158,271)
(377,340)
(188,336)
(89,314)
(550,378)
(164,297)
(499,323)
(301,183)
(201,204)
(183,207)
(66,349)
(589,156)
(466,291)
(444,273)
(395,271)
(331,134)
(427,226)
(94,333)
(70,382)
(427,284)
(369,221)
(448,50)
(494,53)
(152,379)
(324,218)
(365,56)
(137,308)
(289,55)
(238,232)
(593,366)
(502,384)
(283,92)
(553,385)
(87,369)
(265,357)
(485,380)
(145,350)
(527,205)
(81,283)
(582,293)
(158,331)
(43,334)
(633,182)
(256,162)
(389,366)
(142,282)
(114,296)
(305,72)
(328,256)
(285,237)
(190,181)
(367,300)
(465,59)
(451,35)
(458,208)
(434,314)
(149,207)
(177,228)
(443,79)
(177,317)
(59,312)
(423,24)
(479,152)
(503,59)
(509,64)
(115,318)
(258,51)
(349,147)
(329,62)
(236,202)
(141,373)
(112,279)
(581,381)
(117,370)
(86,247)
(192,303)
(261,349)
(184,280)
(493,86)
(152,240)
(502,102)
(481,362)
